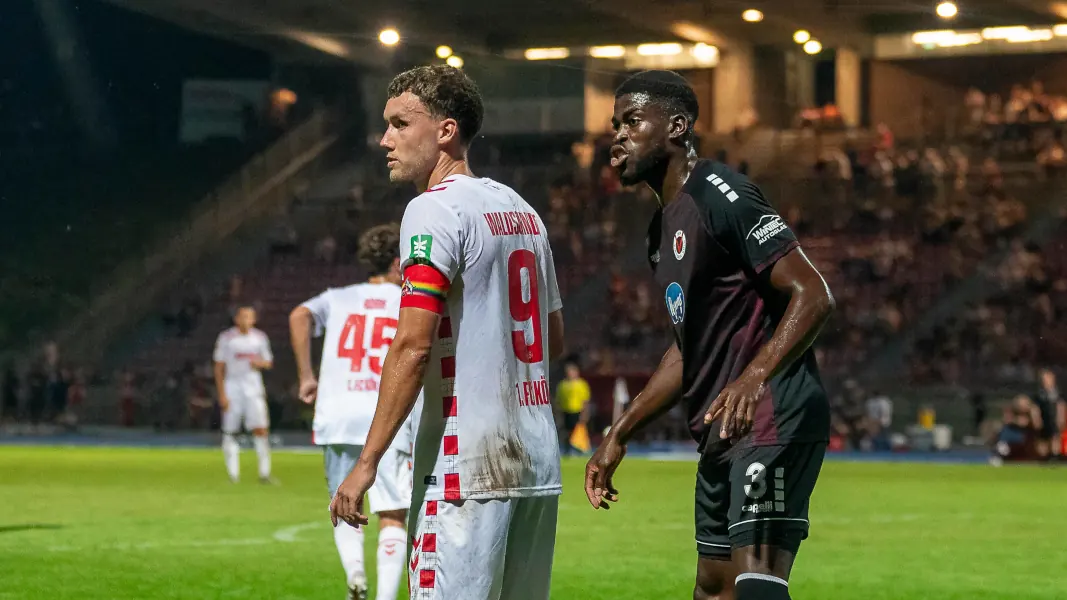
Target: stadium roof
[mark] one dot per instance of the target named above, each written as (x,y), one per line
(349,29)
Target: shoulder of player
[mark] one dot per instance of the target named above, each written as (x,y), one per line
(227,334)
(259,333)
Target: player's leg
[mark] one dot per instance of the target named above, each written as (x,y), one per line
(458,550)
(257,420)
(389,498)
(770,491)
(339,461)
(531,545)
(231,426)
(715,569)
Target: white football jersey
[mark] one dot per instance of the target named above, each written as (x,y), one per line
(486,428)
(359,322)
(237,350)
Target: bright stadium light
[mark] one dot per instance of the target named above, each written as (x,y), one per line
(444,52)
(607,51)
(801,36)
(704,52)
(752,15)
(455,61)
(812,47)
(546,53)
(665,49)
(947,10)
(389,37)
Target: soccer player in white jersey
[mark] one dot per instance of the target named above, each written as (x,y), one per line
(241,353)
(479,319)
(359,322)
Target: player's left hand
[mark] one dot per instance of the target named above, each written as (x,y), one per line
(736,405)
(347,503)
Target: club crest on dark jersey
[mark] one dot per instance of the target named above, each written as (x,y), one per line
(679,244)
(675,303)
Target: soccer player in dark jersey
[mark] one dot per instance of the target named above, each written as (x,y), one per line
(746,305)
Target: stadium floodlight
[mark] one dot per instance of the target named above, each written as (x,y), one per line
(389,37)
(455,61)
(546,53)
(665,49)
(947,10)
(444,52)
(812,47)
(752,15)
(704,52)
(607,51)
(801,36)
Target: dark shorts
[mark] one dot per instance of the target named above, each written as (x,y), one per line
(755,496)
(571,420)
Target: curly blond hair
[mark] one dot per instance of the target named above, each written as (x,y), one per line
(379,246)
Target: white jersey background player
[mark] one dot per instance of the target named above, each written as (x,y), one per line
(359,322)
(241,353)
(479,319)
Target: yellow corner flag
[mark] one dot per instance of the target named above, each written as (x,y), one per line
(580,438)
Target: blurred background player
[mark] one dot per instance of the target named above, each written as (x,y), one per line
(479,302)
(359,322)
(241,353)
(745,304)
(573,396)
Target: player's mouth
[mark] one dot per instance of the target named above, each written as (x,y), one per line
(391,162)
(618,156)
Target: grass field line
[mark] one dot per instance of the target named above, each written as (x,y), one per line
(286,535)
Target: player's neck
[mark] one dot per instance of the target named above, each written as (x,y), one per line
(244,330)
(677,173)
(447,166)
(377,279)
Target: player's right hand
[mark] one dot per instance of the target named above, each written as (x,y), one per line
(599,471)
(309,390)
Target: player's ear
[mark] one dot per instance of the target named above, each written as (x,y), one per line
(448,131)
(679,126)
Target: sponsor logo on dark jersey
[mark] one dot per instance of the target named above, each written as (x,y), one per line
(767,227)
(675,303)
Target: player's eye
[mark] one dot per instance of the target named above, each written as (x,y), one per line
(632,121)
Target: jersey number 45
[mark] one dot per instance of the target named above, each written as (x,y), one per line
(354,345)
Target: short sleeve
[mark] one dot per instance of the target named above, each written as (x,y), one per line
(431,234)
(265,347)
(555,301)
(744,223)
(319,306)
(219,355)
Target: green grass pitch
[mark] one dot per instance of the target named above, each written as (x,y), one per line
(152,524)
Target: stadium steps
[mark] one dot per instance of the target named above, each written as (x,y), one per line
(266,183)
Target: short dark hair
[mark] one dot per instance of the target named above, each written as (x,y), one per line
(448,92)
(379,246)
(666,88)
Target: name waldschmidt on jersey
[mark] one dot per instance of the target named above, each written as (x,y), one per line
(767,227)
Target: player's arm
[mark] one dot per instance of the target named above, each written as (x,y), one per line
(265,362)
(301,323)
(219,357)
(660,393)
(556,343)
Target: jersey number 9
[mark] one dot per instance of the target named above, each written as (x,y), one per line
(523,310)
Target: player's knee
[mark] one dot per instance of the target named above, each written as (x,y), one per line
(261,432)
(758,586)
(392,518)
(714,580)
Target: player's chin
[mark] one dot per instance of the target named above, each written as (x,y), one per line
(629,176)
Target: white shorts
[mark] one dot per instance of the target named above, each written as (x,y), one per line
(391,489)
(250,411)
(483,549)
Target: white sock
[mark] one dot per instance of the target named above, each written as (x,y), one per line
(262,445)
(231,453)
(392,558)
(349,542)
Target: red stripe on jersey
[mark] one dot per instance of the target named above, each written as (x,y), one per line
(445,329)
(431,508)
(429,542)
(451,486)
(449,407)
(448,367)
(426,578)
(451,445)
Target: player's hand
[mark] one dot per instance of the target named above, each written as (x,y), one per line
(224,402)
(259,364)
(599,471)
(736,405)
(347,503)
(309,390)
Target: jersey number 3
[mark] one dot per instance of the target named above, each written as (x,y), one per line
(523,310)
(353,346)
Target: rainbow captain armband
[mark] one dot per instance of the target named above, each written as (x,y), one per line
(424,287)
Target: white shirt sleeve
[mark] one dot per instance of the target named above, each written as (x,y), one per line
(555,301)
(265,349)
(431,234)
(219,355)
(320,311)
